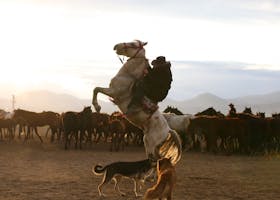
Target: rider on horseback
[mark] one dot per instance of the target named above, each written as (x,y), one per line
(154,85)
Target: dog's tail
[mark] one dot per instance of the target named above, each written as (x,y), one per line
(98,169)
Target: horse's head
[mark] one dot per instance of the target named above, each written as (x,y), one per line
(231,105)
(131,49)
(175,110)
(276,115)
(167,109)
(248,110)
(87,110)
(261,114)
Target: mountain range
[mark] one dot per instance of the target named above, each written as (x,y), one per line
(46,100)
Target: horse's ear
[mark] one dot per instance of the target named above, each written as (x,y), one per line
(144,43)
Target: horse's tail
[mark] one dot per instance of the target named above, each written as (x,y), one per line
(98,169)
(172,147)
(177,144)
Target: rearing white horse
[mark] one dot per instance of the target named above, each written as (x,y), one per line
(159,139)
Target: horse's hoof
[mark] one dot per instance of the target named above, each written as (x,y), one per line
(123,194)
(102,195)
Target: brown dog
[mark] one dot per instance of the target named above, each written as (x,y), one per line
(165,183)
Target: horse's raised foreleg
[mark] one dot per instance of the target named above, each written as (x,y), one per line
(107,91)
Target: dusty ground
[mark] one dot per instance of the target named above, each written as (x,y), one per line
(46,171)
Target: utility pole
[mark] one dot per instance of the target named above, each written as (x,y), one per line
(13,102)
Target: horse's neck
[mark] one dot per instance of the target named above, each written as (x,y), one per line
(134,67)
(130,72)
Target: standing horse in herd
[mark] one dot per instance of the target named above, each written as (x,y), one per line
(7,125)
(76,124)
(178,122)
(32,120)
(100,126)
(7,128)
(159,139)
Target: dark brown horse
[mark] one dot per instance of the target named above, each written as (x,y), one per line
(75,124)
(33,120)
(248,110)
(276,115)
(117,132)
(273,136)
(232,132)
(260,114)
(7,126)
(100,126)
(133,134)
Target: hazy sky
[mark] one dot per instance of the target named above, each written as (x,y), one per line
(67,46)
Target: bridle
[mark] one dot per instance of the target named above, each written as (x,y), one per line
(130,46)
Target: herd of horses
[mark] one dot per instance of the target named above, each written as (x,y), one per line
(244,132)
(73,128)
(239,133)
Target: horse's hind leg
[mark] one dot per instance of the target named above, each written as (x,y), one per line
(53,133)
(66,133)
(27,134)
(76,138)
(1,134)
(20,130)
(36,131)
(82,133)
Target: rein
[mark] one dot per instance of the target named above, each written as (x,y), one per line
(126,46)
(122,60)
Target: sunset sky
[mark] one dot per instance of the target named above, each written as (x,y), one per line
(66,46)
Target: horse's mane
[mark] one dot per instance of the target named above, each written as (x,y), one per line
(210,111)
(170,109)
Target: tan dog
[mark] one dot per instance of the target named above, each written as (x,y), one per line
(165,183)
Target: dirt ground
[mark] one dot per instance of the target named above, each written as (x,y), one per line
(46,171)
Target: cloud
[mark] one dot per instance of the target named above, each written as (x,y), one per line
(200,9)
(225,79)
